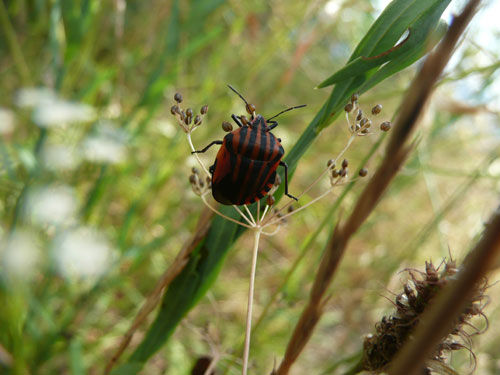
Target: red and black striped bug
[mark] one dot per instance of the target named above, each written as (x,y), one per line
(245,167)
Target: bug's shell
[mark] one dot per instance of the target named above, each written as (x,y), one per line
(245,166)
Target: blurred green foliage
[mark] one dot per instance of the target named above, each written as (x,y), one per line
(122,169)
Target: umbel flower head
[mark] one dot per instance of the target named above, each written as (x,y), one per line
(392,332)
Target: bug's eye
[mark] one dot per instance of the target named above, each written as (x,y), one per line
(244,120)
(250,109)
(279,140)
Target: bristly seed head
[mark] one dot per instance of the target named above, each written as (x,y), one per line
(227,127)
(178,97)
(385,126)
(348,107)
(363,172)
(204,110)
(377,109)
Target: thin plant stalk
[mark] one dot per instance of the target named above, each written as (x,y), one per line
(246,351)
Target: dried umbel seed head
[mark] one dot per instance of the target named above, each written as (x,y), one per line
(335,173)
(189,112)
(250,109)
(227,127)
(195,170)
(363,121)
(197,120)
(270,200)
(178,97)
(354,98)
(348,107)
(183,115)
(363,172)
(377,109)
(187,120)
(330,163)
(174,110)
(204,110)
(193,179)
(368,124)
(345,163)
(385,126)
(343,172)
(244,120)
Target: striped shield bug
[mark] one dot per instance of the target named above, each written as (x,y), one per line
(245,167)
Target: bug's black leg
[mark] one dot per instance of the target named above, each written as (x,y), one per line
(273,125)
(237,120)
(285,165)
(206,148)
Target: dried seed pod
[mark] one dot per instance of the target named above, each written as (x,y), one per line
(330,163)
(368,124)
(227,127)
(189,112)
(363,172)
(250,109)
(343,172)
(195,170)
(360,115)
(183,115)
(270,200)
(178,97)
(377,109)
(385,126)
(357,127)
(187,120)
(174,110)
(192,179)
(204,109)
(363,121)
(290,208)
(348,107)
(345,163)
(335,173)
(354,98)
(244,120)
(197,120)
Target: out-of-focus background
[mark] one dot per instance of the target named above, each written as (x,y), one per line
(95,200)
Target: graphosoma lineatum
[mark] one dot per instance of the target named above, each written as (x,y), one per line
(245,167)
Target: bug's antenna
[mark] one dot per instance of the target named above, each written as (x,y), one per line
(237,93)
(286,110)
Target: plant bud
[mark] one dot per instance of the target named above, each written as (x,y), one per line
(377,109)
(385,126)
(270,200)
(250,109)
(227,127)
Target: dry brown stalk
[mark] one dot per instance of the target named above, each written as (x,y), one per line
(397,151)
(172,271)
